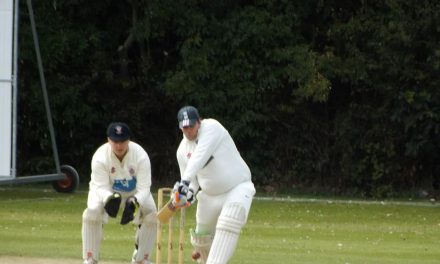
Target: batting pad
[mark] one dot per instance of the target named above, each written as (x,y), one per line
(145,238)
(201,244)
(230,222)
(92,232)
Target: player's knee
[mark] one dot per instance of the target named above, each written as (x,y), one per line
(92,215)
(232,218)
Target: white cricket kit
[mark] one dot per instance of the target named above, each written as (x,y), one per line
(213,163)
(212,159)
(129,177)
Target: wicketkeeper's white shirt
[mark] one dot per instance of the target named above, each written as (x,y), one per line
(132,175)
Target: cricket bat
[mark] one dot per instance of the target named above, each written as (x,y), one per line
(166,212)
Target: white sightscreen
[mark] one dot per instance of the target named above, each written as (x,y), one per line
(6,42)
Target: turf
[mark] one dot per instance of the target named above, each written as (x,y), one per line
(38,222)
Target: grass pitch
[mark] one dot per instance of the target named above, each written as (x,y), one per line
(38,223)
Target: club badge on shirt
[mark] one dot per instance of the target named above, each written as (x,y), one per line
(125,184)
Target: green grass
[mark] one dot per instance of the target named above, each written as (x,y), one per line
(35,221)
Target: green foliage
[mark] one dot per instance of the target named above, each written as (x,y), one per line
(332,96)
(377,58)
(249,68)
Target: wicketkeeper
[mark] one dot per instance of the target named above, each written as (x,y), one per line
(210,162)
(120,181)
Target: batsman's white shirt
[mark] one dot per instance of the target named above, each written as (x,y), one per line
(212,160)
(131,176)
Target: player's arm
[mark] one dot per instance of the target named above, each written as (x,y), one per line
(207,143)
(176,201)
(143,185)
(100,179)
(143,177)
(192,187)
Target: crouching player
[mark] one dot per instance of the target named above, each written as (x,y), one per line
(120,178)
(209,160)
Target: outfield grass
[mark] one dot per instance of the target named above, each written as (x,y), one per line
(38,222)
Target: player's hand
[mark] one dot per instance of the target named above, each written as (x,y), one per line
(183,196)
(131,206)
(178,199)
(183,187)
(190,196)
(112,204)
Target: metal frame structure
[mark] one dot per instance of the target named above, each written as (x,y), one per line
(63,173)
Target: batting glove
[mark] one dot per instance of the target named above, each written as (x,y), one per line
(183,187)
(112,204)
(131,206)
(185,197)
(191,196)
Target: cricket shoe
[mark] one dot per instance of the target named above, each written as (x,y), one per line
(90,261)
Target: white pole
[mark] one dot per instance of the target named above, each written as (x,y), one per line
(15,91)
(6,43)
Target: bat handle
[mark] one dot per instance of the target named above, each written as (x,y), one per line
(177,197)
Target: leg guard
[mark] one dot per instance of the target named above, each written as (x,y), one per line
(145,239)
(201,244)
(230,222)
(92,232)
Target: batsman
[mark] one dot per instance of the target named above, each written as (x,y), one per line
(120,181)
(213,171)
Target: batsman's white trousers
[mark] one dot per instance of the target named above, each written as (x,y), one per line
(209,207)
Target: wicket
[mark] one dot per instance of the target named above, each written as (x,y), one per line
(160,204)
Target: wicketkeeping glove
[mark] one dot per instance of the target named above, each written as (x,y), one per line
(131,206)
(112,204)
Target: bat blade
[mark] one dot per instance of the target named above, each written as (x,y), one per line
(166,212)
